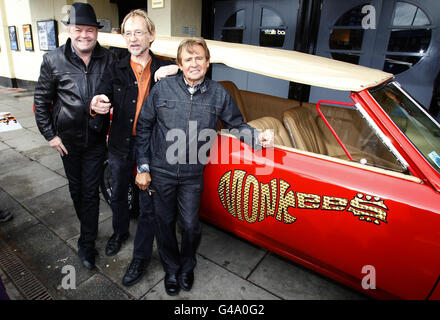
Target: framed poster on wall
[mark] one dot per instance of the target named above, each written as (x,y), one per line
(47,34)
(13,38)
(27,35)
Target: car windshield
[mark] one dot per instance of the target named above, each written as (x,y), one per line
(412,120)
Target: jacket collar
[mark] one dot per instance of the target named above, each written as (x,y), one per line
(201,86)
(125,61)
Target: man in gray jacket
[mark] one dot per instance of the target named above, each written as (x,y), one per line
(186,104)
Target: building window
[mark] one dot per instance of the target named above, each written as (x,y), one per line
(233,29)
(347,35)
(409,39)
(272,29)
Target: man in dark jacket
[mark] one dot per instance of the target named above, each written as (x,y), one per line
(68,78)
(186,106)
(125,88)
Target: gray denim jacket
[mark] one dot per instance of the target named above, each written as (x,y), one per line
(170,128)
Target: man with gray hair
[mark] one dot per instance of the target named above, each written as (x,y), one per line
(68,79)
(178,104)
(125,87)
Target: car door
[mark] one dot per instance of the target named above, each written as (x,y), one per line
(336,217)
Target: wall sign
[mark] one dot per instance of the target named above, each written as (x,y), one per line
(27,35)
(13,38)
(157,4)
(47,34)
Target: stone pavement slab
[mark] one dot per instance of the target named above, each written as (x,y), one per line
(291,281)
(30,181)
(3,146)
(213,282)
(97,287)
(12,160)
(25,140)
(45,254)
(55,210)
(21,220)
(27,122)
(234,254)
(114,267)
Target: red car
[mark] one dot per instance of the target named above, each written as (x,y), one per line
(350,190)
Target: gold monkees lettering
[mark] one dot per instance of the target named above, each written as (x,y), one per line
(247,199)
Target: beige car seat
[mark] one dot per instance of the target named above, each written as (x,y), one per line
(303,131)
(281,137)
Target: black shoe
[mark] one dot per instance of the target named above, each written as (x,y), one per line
(87,257)
(5,215)
(114,244)
(135,272)
(186,280)
(171,286)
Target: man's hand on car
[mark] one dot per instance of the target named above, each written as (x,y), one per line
(266,138)
(100,104)
(58,145)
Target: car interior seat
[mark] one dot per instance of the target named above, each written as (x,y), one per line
(281,137)
(303,131)
(236,95)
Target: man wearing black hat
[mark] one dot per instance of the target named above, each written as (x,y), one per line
(68,78)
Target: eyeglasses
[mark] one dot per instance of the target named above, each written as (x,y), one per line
(137,34)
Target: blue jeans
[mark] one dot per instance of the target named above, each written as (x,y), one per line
(177,197)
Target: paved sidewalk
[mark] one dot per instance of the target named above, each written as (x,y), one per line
(44,231)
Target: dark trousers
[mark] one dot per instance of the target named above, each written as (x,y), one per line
(143,241)
(83,167)
(177,198)
(122,175)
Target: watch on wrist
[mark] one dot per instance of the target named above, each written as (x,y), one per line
(143,168)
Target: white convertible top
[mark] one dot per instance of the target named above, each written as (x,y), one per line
(277,63)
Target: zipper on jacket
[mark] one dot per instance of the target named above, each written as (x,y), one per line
(189,119)
(87,117)
(187,127)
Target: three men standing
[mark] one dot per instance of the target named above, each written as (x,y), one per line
(75,124)
(68,79)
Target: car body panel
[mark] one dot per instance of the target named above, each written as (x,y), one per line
(332,239)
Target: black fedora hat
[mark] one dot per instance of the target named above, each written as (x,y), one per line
(83,14)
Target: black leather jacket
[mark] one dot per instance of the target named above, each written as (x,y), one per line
(120,86)
(63,92)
